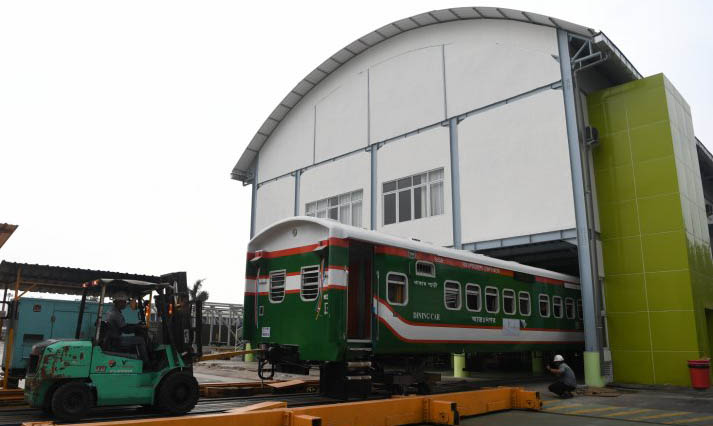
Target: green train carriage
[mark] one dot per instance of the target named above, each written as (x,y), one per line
(361,303)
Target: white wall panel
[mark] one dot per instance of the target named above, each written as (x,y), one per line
(338,177)
(406,92)
(275,201)
(342,119)
(416,154)
(497,60)
(515,173)
(291,146)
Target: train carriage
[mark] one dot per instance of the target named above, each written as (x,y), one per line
(358,302)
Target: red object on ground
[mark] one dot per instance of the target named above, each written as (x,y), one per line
(700,373)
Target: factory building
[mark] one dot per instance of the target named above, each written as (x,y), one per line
(522,137)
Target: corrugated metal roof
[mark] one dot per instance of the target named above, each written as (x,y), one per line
(241,169)
(58,279)
(6,231)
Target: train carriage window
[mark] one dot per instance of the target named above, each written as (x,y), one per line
(509,301)
(451,295)
(523,299)
(544,305)
(569,308)
(473,298)
(396,288)
(425,269)
(277,286)
(557,306)
(309,283)
(491,300)
(580,314)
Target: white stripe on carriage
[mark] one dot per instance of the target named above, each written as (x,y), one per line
(424,332)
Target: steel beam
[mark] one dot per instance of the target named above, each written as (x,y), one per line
(374,150)
(586,279)
(455,182)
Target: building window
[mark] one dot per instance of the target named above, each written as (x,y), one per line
(569,308)
(491,300)
(557,306)
(413,197)
(473,299)
(544,306)
(451,295)
(580,314)
(396,288)
(277,286)
(523,298)
(509,301)
(425,269)
(344,208)
(309,284)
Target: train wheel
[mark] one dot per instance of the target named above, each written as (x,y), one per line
(71,401)
(178,393)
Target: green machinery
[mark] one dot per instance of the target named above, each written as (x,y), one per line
(67,377)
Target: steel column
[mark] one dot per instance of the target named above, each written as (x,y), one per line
(374,149)
(253,204)
(298,173)
(591,341)
(455,182)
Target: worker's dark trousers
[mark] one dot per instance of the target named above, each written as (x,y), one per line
(560,388)
(131,342)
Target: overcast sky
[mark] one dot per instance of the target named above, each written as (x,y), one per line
(120,121)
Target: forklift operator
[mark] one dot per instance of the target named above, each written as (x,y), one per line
(117,326)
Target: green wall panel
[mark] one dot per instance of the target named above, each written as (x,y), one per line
(657,258)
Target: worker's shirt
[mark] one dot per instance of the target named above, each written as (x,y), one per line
(567,375)
(116,320)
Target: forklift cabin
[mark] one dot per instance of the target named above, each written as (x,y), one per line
(67,377)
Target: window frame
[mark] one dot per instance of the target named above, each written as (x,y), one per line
(561,303)
(529,303)
(514,301)
(574,308)
(284,285)
(315,209)
(460,298)
(319,272)
(549,305)
(388,274)
(480,297)
(421,274)
(425,183)
(497,297)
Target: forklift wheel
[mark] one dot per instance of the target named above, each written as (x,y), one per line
(71,401)
(178,393)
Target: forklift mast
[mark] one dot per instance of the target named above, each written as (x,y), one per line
(184,317)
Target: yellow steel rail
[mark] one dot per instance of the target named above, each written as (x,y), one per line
(227,355)
(443,409)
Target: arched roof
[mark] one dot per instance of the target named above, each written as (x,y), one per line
(240,171)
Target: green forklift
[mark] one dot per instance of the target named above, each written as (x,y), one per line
(68,377)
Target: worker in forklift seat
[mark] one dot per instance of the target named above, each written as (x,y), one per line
(117,326)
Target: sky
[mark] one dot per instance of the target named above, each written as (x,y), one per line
(121,121)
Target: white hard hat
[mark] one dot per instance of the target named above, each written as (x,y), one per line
(559,358)
(120,296)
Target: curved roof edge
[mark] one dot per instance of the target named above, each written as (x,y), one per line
(241,170)
(339,230)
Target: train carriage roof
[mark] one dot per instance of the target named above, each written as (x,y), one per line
(287,234)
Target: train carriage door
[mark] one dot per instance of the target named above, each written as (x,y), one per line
(359,291)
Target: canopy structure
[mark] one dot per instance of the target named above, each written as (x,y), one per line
(133,287)
(6,231)
(59,279)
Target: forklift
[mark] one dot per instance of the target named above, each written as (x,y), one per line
(68,377)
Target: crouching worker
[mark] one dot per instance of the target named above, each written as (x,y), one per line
(566,382)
